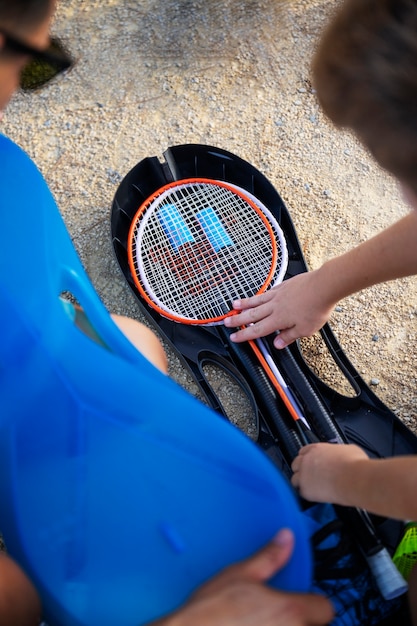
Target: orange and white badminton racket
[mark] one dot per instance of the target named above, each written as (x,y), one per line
(196,245)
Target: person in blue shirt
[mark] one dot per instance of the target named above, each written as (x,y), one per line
(240,593)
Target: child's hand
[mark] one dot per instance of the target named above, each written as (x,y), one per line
(297,308)
(322,469)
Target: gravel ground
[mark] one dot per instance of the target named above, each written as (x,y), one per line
(157,73)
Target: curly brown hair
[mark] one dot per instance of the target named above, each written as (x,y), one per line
(365,73)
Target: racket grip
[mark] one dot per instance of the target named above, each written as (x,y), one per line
(390,581)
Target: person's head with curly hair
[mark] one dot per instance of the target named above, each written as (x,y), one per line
(365,73)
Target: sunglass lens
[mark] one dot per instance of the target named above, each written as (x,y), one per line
(36,74)
(40,71)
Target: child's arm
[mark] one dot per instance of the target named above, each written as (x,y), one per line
(300,306)
(343,474)
(19,602)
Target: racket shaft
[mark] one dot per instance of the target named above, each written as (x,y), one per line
(281,391)
(274,369)
(315,411)
(288,438)
(299,422)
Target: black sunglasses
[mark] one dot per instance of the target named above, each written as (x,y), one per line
(44,64)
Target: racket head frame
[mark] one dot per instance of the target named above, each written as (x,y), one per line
(139,222)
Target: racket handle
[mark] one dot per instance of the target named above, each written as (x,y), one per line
(390,581)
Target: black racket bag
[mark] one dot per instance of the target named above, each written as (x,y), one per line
(339,539)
